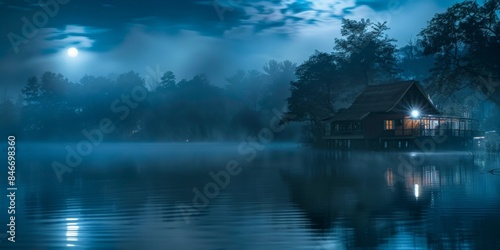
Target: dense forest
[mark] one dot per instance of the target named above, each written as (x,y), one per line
(455,58)
(53,108)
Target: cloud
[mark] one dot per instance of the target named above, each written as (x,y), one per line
(42,53)
(53,39)
(188,37)
(404,28)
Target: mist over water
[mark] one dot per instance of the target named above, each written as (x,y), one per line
(176,125)
(129,196)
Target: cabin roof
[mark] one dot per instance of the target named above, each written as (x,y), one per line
(381,98)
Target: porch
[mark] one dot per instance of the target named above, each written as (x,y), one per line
(430,126)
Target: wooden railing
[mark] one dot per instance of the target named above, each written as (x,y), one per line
(433,132)
(346,133)
(417,132)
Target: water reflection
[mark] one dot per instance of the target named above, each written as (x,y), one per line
(442,203)
(72,231)
(288,198)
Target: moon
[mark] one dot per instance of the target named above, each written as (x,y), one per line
(72,52)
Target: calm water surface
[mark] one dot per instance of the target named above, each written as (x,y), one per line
(145,196)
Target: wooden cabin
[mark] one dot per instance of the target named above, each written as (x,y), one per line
(397,116)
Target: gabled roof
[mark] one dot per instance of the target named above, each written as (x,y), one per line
(385,98)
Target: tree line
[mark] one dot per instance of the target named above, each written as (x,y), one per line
(53,108)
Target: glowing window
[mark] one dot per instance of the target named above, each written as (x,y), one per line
(388,124)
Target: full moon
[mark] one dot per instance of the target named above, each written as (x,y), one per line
(72,52)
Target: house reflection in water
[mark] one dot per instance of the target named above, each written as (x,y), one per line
(429,177)
(368,202)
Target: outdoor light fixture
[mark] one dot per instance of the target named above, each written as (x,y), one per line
(415,113)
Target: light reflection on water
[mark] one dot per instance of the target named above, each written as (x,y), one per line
(72,231)
(287,198)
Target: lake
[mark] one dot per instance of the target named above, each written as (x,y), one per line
(223,196)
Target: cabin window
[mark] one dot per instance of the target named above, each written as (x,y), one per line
(388,124)
(342,126)
(357,126)
(398,123)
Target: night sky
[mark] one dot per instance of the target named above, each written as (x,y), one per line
(188,36)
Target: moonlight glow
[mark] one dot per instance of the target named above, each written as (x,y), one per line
(72,52)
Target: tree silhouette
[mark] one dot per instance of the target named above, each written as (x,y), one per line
(277,77)
(365,53)
(312,94)
(465,40)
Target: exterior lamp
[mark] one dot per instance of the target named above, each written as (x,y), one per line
(415,113)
